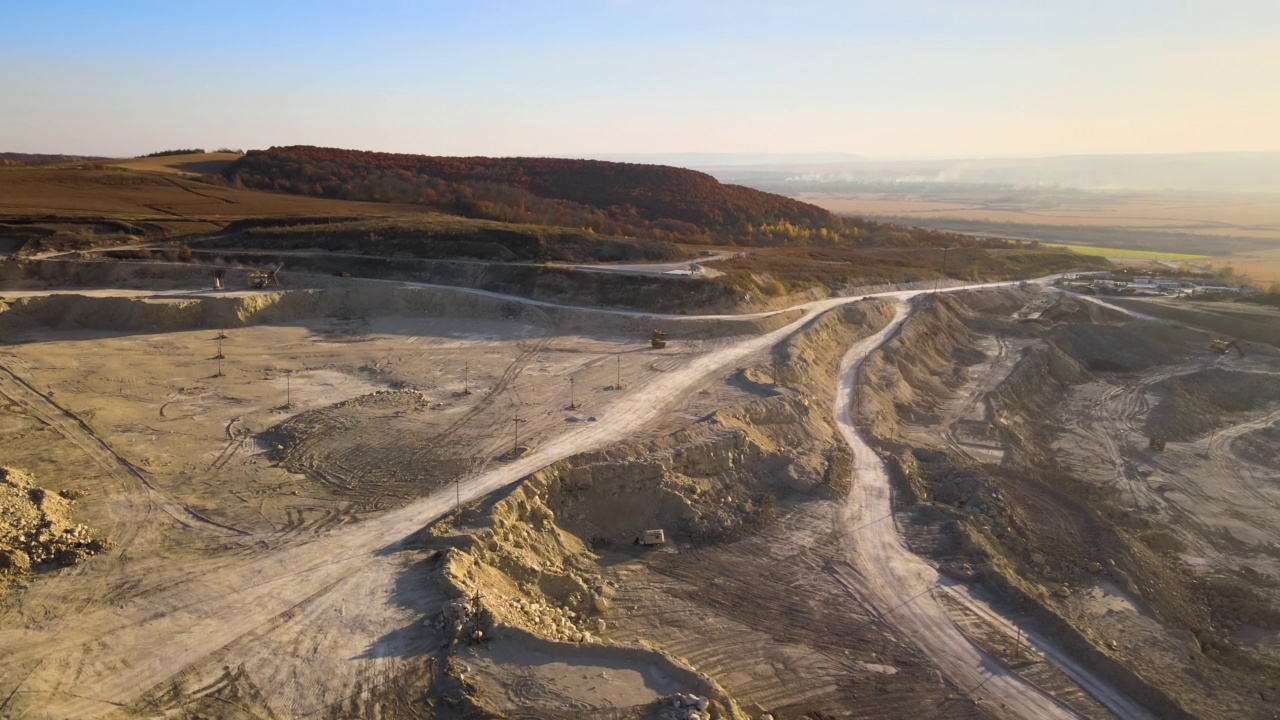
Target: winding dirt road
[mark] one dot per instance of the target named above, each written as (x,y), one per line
(902,586)
(310,619)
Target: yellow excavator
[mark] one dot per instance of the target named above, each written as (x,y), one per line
(1222,346)
(659,340)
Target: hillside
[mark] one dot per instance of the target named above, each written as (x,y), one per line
(17,159)
(160,199)
(650,201)
(165,201)
(188,164)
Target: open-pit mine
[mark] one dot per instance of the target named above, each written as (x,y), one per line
(336,497)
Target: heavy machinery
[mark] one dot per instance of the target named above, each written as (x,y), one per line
(1156,443)
(259,279)
(1222,346)
(651,537)
(659,339)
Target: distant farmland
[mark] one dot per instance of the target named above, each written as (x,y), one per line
(1109,252)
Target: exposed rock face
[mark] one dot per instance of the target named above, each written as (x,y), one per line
(36,528)
(1052,534)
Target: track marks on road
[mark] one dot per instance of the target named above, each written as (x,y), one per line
(74,429)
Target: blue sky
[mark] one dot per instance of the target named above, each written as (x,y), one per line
(890,79)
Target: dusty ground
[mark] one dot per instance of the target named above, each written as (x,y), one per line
(285,543)
(1025,445)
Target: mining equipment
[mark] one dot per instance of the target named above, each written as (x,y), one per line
(659,340)
(259,279)
(1222,346)
(1156,443)
(651,537)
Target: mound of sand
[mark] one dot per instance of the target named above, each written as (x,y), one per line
(1260,447)
(1129,348)
(36,527)
(1197,403)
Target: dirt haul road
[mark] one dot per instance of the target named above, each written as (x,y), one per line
(303,614)
(902,586)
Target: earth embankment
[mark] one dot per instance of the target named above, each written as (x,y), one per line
(977,403)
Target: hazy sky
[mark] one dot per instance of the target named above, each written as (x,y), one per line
(887,78)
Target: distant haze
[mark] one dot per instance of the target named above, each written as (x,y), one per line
(713,160)
(1255,172)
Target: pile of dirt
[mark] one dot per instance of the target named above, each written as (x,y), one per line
(409,457)
(1260,447)
(1071,309)
(908,378)
(1125,348)
(1031,390)
(1197,403)
(36,529)
(526,568)
(532,554)
(808,358)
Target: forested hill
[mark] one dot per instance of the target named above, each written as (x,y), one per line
(624,199)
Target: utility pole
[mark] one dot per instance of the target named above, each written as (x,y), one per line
(288,389)
(466,379)
(219,356)
(572,405)
(457,484)
(516,448)
(937,282)
(617,385)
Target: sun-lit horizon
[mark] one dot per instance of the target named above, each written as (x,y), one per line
(920,79)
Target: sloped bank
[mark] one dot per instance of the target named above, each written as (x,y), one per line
(353,302)
(1025,528)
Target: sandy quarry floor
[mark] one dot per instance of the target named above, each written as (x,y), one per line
(170,454)
(157,401)
(232,555)
(1209,503)
(1218,492)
